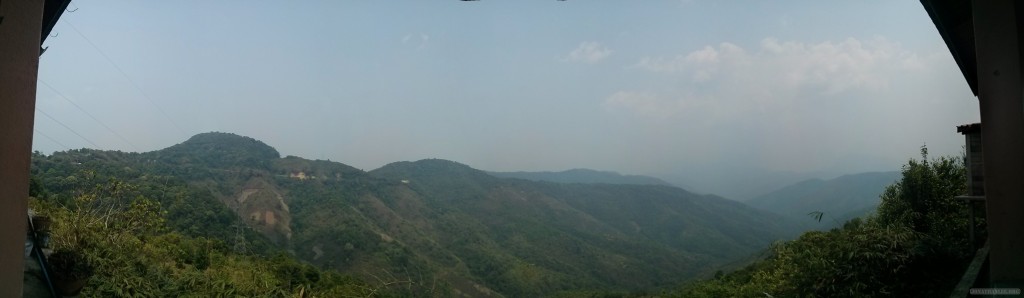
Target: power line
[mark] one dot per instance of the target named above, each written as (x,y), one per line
(88,114)
(169,119)
(51,139)
(69,128)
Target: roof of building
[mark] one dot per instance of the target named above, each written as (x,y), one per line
(52,10)
(955,21)
(969,128)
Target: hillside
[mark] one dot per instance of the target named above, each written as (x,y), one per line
(629,236)
(906,249)
(445,228)
(841,199)
(582,176)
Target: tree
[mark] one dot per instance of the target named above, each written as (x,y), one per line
(923,200)
(915,246)
(132,253)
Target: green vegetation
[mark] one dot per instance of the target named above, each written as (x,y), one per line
(425,228)
(525,238)
(195,219)
(220,151)
(125,242)
(192,209)
(916,246)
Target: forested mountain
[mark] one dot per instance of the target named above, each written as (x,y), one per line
(840,199)
(439,227)
(583,176)
(914,245)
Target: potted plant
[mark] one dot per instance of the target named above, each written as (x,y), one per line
(41,223)
(41,227)
(70,270)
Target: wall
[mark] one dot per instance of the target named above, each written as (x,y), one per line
(20,32)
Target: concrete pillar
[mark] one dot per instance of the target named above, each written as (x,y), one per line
(19,65)
(1002,116)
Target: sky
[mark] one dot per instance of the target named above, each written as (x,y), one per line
(669,88)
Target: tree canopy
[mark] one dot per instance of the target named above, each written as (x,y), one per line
(916,246)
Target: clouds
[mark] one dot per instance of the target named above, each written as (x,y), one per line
(707,56)
(588,87)
(589,52)
(420,40)
(779,72)
(794,104)
(836,67)
(644,103)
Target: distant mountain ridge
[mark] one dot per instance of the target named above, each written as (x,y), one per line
(471,232)
(737,182)
(841,199)
(583,176)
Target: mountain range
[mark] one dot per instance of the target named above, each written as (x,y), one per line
(737,182)
(839,199)
(436,224)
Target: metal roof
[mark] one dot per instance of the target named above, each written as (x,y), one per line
(955,21)
(969,128)
(52,10)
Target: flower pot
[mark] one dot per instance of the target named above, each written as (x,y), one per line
(41,224)
(69,287)
(70,270)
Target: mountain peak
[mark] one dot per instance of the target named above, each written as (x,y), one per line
(221,149)
(441,163)
(430,166)
(435,172)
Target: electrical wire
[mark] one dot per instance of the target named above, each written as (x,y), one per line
(88,114)
(51,139)
(68,127)
(111,61)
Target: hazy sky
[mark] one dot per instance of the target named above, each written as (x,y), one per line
(632,86)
